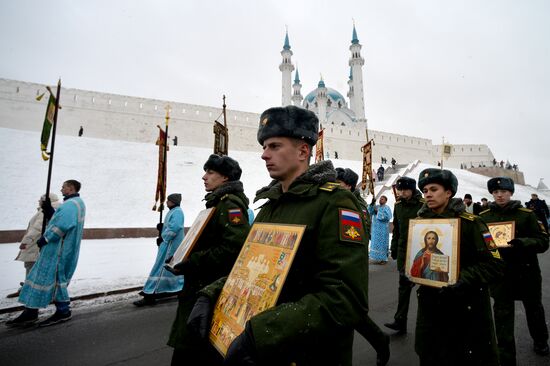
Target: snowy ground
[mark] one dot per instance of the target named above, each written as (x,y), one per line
(119,180)
(104,265)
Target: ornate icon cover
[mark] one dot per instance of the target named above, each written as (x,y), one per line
(255,281)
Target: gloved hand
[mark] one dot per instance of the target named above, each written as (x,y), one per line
(159,241)
(242,350)
(200,317)
(394,254)
(47,208)
(160,225)
(41,242)
(516,243)
(179,269)
(455,291)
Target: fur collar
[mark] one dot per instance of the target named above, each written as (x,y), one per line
(510,206)
(453,209)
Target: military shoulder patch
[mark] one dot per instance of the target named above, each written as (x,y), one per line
(491,245)
(351,228)
(542,227)
(329,186)
(468,216)
(525,209)
(484,211)
(235,216)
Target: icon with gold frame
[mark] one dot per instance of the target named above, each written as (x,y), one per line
(432,251)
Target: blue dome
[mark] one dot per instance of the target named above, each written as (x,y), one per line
(331,93)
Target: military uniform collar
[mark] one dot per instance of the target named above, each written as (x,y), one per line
(305,185)
(453,209)
(510,206)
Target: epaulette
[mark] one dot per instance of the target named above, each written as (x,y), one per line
(224,196)
(484,211)
(525,209)
(329,186)
(468,216)
(397,202)
(422,200)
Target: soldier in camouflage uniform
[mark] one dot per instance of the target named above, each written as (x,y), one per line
(454,324)
(406,208)
(522,276)
(347,179)
(325,294)
(212,256)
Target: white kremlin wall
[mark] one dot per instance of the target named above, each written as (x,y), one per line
(119,117)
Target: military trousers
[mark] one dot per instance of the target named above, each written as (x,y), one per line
(373,334)
(504,312)
(404,299)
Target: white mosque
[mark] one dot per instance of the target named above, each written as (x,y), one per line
(328,104)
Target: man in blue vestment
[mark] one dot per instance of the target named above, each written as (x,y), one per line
(59,248)
(161,282)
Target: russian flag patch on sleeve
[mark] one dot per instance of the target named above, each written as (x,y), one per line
(235,216)
(351,228)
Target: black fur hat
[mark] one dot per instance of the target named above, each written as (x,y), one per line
(504,183)
(440,176)
(405,183)
(224,165)
(289,121)
(347,176)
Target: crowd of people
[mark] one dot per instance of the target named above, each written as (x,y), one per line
(325,295)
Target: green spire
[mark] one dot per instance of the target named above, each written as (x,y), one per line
(297,77)
(354,39)
(287,43)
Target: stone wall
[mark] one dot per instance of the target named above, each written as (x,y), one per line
(119,117)
(493,172)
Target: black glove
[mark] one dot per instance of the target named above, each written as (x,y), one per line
(159,241)
(160,225)
(199,318)
(242,350)
(455,291)
(47,208)
(516,243)
(179,269)
(41,242)
(394,254)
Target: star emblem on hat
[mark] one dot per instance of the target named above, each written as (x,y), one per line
(264,121)
(498,181)
(426,174)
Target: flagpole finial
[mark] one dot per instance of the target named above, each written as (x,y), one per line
(167,108)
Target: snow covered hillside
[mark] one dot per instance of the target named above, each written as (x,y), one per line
(119,178)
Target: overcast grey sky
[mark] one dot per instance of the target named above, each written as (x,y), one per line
(472,71)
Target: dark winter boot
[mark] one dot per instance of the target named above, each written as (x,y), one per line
(399,326)
(541,348)
(27,317)
(147,300)
(56,318)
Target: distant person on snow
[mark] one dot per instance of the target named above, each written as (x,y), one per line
(28,250)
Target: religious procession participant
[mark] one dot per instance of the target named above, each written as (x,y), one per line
(454,324)
(162,283)
(325,293)
(347,179)
(380,235)
(522,277)
(59,249)
(406,208)
(212,256)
